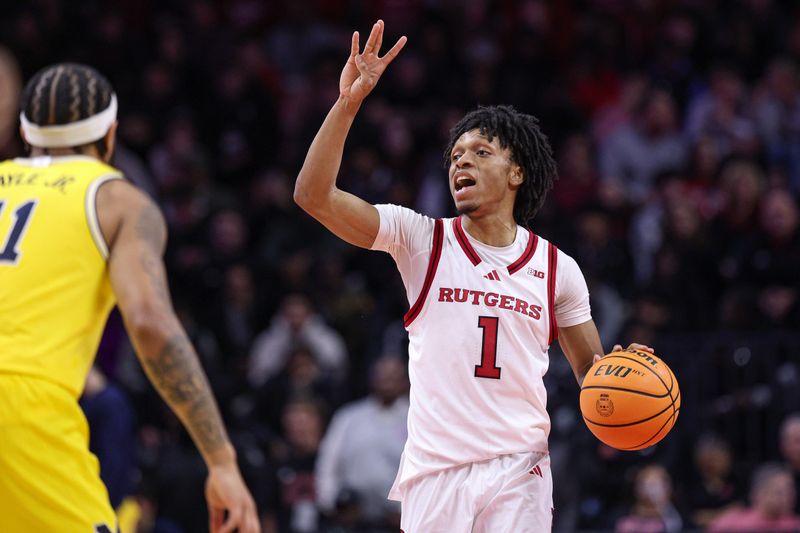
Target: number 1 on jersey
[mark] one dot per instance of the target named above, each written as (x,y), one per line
(9,252)
(488,367)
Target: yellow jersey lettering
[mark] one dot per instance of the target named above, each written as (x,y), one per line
(60,183)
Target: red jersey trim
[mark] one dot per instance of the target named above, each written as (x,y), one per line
(475,259)
(433,264)
(552,266)
(533,240)
(463,241)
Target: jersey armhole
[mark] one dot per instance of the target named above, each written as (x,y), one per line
(552,266)
(91,212)
(433,264)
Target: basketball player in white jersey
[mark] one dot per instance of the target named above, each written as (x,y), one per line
(487,297)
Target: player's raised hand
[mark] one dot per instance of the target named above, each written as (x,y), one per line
(227,493)
(363,70)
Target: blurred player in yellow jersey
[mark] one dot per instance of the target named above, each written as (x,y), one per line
(75,239)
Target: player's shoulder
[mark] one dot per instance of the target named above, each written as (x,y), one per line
(399,220)
(402,212)
(123,197)
(119,201)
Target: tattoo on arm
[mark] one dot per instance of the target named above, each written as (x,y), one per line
(176,373)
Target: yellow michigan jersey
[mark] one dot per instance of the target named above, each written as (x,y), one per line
(55,297)
(55,294)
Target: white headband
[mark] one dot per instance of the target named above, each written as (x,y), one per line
(73,134)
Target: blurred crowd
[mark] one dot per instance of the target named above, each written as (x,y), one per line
(676,126)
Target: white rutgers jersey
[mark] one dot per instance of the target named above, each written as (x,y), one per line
(479,329)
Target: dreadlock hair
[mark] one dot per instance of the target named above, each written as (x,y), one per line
(529,147)
(65,93)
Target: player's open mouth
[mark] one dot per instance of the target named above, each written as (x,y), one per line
(463,182)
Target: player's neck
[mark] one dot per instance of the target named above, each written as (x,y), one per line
(494,230)
(56,152)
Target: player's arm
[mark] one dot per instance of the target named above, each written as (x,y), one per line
(580,344)
(349,217)
(136,234)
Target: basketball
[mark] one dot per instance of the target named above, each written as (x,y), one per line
(630,399)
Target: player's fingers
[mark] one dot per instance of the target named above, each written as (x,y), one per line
(363,69)
(391,54)
(596,358)
(640,347)
(251,524)
(215,519)
(379,41)
(617,348)
(354,45)
(233,521)
(369,47)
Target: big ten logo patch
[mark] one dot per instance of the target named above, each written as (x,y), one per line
(535,273)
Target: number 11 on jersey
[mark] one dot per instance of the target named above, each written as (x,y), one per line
(488,367)
(9,250)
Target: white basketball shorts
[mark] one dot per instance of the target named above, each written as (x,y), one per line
(508,494)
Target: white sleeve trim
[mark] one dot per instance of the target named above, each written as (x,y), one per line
(91,212)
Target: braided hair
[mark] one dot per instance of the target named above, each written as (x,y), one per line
(529,148)
(65,93)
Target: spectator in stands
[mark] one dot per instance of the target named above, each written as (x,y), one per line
(653,510)
(620,114)
(652,144)
(303,425)
(235,313)
(577,185)
(776,105)
(683,261)
(772,497)
(790,450)
(606,264)
(741,184)
(296,324)
(362,447)
(719,114)
(772,261)
(702,190)
(302,376)
(715,489)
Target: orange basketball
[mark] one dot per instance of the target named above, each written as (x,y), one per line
(630,399)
